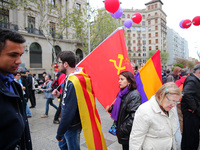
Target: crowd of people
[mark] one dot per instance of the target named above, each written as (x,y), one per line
(170,120)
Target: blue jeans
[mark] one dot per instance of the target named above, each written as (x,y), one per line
(49,101)
(70,140)
(28,111)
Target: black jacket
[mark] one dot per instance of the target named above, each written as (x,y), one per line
(14,128)
(129,105)
(191,97)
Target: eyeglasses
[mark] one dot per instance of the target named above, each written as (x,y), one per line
(172,101)
(59,62)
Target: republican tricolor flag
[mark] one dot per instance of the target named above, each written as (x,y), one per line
(149,77)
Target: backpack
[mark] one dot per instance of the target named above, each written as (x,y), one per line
(55,85)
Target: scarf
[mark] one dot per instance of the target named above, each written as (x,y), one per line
(7,81)
(116,107)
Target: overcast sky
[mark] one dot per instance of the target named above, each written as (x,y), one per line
(176,10)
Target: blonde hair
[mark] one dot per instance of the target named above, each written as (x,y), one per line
(167,88)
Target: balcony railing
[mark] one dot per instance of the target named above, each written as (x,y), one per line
(55,35)
(34,31)
(7,25)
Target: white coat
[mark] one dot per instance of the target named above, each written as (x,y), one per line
(153,130)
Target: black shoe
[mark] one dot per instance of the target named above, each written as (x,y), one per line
(56,121)
(28,116)
(32,107)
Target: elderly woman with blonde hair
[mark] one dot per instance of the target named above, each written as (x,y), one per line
(156,125)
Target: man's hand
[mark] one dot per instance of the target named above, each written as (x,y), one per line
(56,93)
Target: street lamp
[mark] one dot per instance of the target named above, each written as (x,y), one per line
(88,15)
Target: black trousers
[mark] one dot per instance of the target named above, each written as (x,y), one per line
(190,136)
(32,98)
(57,114)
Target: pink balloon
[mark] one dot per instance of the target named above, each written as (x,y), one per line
(137,18)
(118,13)
(196,21)
(186,23)
(112,5)
(128,23)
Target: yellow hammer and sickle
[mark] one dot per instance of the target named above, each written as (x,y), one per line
(119,68)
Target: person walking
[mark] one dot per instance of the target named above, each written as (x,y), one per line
(126,104)
(61,77)
(190,107)
(47,89)
(74,110)
(156,124)
(17,77)
(14,127)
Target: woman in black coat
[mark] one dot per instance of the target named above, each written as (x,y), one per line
(126,104)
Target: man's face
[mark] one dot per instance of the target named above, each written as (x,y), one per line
(10,57)
(61,66)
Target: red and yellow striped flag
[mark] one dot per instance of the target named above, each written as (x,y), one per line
(87,109)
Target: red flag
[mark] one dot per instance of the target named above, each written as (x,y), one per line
(104,65)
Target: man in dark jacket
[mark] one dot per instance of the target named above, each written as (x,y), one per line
(190,106)
(14,128)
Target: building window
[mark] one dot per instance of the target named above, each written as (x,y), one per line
(133,35)
(149,15)
(133,41)
(143,29)
(4,18)
(149,41)
(155,5)
(134,48)
(128,16)
(144,48)
(144,42)
(52,2)
(144,54)
(57,50)
(143,36)
(123,16)
(156,47)
(156,34)
(138,29)
(149,35)
(148,7)
(78,6)
(156,20)
(156,27)
(152,6)
(31,24)
(79,55)
(133,28)
(143,23)
(35,56)
(129,35)
(52,29)
(149,48)
(143,16)
(139,54)
(156,13)
(149,22)
(156,40)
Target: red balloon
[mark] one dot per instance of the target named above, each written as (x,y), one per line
(137,18)
(186,23)
(196,21)
(112,5)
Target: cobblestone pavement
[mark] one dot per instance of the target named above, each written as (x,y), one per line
(43,131)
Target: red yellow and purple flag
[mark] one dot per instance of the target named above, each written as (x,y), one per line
(89,116)
(104,65)
(149,77)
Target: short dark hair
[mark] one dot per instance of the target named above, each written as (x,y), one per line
(9,35)
(69,57)
(130,78)
(49,76)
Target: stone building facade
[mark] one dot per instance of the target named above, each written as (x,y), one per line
(40,27)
